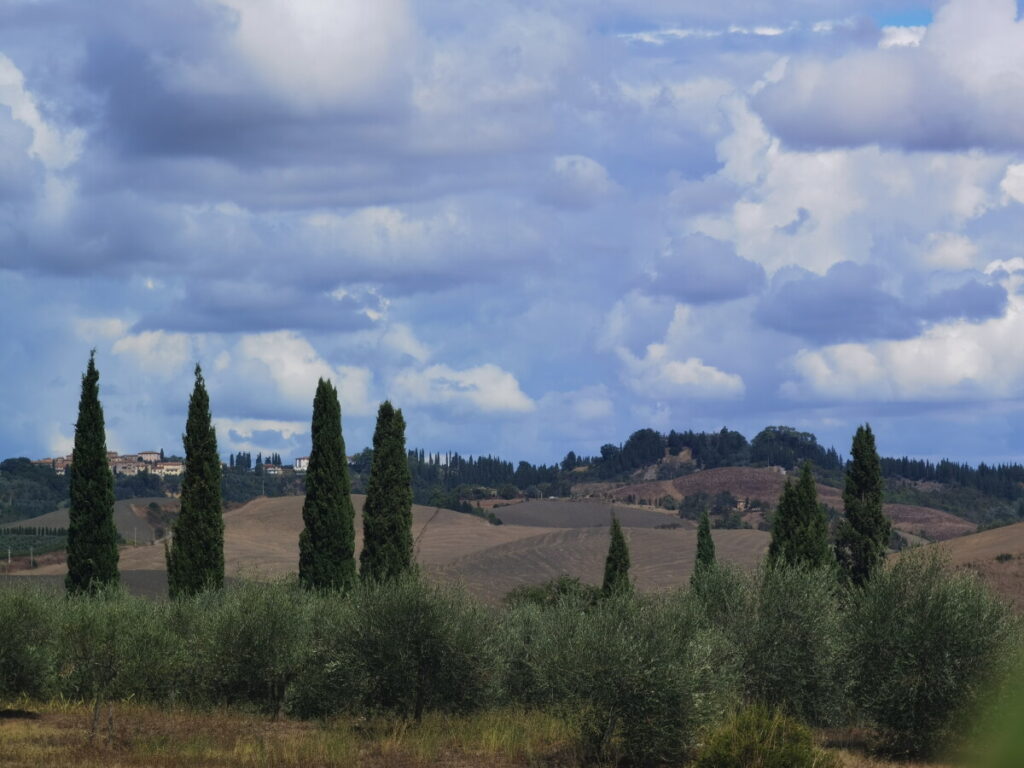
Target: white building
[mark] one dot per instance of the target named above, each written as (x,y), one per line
(302,464)
(167,468)
(150,457)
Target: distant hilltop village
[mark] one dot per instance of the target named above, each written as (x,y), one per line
(125,463)
(153,462)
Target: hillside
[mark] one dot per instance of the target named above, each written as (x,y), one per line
(765,484)
(997,555)
(554,537)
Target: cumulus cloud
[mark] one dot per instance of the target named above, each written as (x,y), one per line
(851,302)
(294,366)
(957,360)
(159,352)
(485,388)
(698,269)
(961,85)
(661,376)
(577,181)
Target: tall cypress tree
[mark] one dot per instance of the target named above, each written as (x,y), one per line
(800,530)
(196,559)
(705,547)
(863,533)
(616,565)
(387,512)
(327,543)
(92,536)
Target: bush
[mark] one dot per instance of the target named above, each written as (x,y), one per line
(401,647)
(786,622)
(926,642)
(637,678)
(759,737)
(114,646)
(552,591)
(247,643)
(27,648)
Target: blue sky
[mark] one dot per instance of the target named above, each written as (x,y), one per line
(534,226)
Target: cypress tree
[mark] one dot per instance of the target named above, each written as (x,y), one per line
(387,512)
(705,546)
(616,565)
(327,543)
(800,531)
(863,533)
(92,536)
(196,558)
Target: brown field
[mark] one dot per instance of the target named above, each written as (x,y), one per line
(540,540)
(661,559)
(129,517)
(931,524)
(582,513)
(979,552)
(766,485)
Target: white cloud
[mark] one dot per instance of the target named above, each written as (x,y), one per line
(291,362)
(660,375)
(400,338)
(93,329)
(54,148)
(245,428)
(961,85)
(948,250)
(323,53)
(160,353)
(895,37)
(486,388)
(950,361)
(577,181)
(1012,184)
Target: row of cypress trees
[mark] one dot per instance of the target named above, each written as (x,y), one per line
(800,527)
(195,558)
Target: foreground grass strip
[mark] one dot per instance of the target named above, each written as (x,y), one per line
(58,734)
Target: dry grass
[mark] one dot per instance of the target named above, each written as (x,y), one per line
(58,734)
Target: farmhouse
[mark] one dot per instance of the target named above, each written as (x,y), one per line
(302,464)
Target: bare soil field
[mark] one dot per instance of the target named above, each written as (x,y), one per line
(581,513)
(543,539)
(661,559)
(931,524)
(261,538)
(981,552)
(130,517)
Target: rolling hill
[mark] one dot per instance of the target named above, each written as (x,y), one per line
(766,483)
(997,555)
(261,541)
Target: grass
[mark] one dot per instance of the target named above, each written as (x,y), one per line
(58,733)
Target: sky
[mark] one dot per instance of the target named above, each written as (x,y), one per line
(534,226)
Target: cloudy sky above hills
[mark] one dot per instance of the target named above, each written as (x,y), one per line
(533,226)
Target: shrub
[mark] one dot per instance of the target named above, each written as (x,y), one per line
(27,658)
(401,647)
(247,643)
(925,642)
(786,622)
(759,737)
(550,592)
(638,678)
